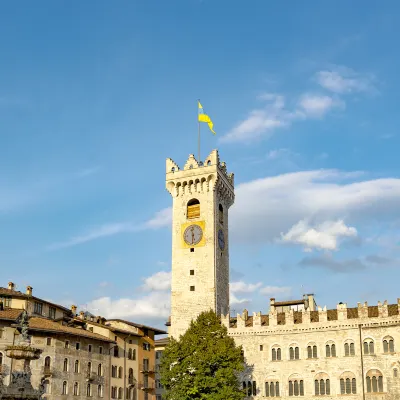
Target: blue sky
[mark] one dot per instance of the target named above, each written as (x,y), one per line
(304,96)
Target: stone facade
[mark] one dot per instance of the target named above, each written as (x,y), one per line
(200,273)
(297,349)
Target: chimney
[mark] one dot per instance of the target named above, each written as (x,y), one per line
(82,315)
(311,302)
(29,290)
(73,309)
(11,286)
(272,304)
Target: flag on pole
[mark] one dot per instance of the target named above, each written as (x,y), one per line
(205,118)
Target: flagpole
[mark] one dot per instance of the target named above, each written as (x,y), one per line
(198,139)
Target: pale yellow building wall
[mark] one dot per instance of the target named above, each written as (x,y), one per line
(211,186)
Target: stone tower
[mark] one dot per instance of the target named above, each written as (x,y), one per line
(202,195)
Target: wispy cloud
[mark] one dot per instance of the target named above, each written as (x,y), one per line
(277,112)
(161,219)
(88,172)
(343,80)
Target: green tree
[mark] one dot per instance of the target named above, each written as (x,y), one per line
(203,364)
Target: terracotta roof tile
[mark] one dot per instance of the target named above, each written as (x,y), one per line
(42,324)
(10,314)
(18,294)
(156,330)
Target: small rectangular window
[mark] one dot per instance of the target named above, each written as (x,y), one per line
(192,249)
(52,312)
(66,344)
(90,348)
(192,288)
(130,341)
(192,272)
(261,347)
(38,308)
(100,350)
(48,341)
(77,346)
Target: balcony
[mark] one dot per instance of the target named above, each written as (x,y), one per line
(47,370)
(131,380)
(146,386)
(146,368)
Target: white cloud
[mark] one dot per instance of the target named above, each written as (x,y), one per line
(260,121)
(154,305)
(276,290)
(278,153)
(345,80)
(324,236)
(317,105)
(266,207)
(160,220)
(242,287)
(233,300)
(159,281)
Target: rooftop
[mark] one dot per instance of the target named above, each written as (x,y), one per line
(140,326)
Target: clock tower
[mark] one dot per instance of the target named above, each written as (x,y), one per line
(202,194)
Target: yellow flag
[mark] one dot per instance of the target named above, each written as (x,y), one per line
(205,118)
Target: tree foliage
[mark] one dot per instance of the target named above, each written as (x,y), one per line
(203,364)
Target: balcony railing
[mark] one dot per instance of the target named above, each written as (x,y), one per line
(146,368)
(47,370)
(146,386)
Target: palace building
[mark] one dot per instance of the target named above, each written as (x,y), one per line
(296,348)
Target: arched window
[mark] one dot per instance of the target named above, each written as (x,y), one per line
(65,364)
(374,381)
(330,349)
(100,370)
(312,351)
(116,351)
(388,345)
(134,354)
(89,367)
(120,372)
(349,349)
(369,346)
(47,361)
(272,389)
(88,390)
(130,354)
(120,393)
(395,373)
(254,388)
(193,209)
(46,385)
(130,376)
(221,214)
(294,352)
(65,388)
(276,354)
(100,391)
(291,353)
(76,367)
(249,388)
(322,384)
(296,387)
(348,383)
(76,389)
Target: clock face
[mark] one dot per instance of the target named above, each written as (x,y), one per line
(221,239)
(193,234)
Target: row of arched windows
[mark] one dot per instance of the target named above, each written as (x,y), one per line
(77,366)
(330,349)
(322,385)
(75,389)
(117,393)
